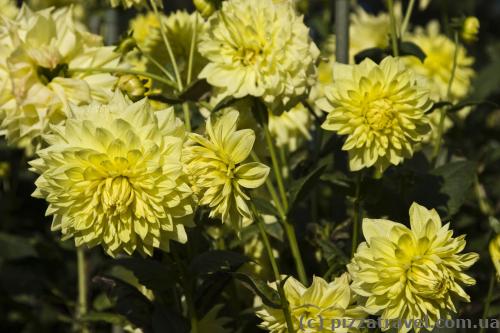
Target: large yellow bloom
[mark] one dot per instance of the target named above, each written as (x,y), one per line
(112,176)
(381,109)
(437,66)
(495,253)
(412,273)
(329,301)
(43,49)
(259,48)
(218,172)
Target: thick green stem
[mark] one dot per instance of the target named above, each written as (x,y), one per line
(82,287)
(294,247)
(167,45)
(442,115)
(187,116)
(192,50)
(394,31)
(342,31)
(124,71)
(192,312)
(356,215)
(157,64)
(276,272)
(406,20)
(489,297)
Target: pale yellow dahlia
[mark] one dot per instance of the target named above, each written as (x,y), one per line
(495,253)
(437,66)
(411,274)
(219,176)
(259,48)
(328,301)
(45,48)
(8,8)
(291,128)
(112,175)
(380,108)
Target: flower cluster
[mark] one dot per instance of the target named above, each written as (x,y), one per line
(43,53)
(113,176)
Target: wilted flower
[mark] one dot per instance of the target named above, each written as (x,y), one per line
(438,64)
(495,253)
(112,176)
(321,301)
(43,49)
(410,274)
(259,48)
(217,172)
(470,29)
(291,128)
(381,109)
(8,8)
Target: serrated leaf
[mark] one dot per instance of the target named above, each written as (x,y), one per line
(411,49)
(217,261)
(270,296)
(14,247)
(195,90)
(302,187)
(458,179)
(152,274)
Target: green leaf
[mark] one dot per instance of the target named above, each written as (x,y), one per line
(376,54)
(224,103)
(150,273)
(106,317)
(195,91)
(168,320)
(270,296)
(412,49)
(301,188)
(216,261)
(458,179)
(260,111)
(265,206)
(464,104)
(15,247)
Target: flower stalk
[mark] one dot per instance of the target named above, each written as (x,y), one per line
(82,288)
(394,30)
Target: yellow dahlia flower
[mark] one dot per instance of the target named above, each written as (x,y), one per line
(381,110)
(217,172)
(411,274)
(470,29)
(495,253)
(44,49)
(329,301)
(8,8)
(145,27)
(437,66)
(258,48)
(291,128)
(112,176)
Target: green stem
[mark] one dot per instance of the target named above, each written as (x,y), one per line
(124,71)
(276,168)
(356,215)
(276,272)
(191,50)
(294,247)
(192,313)
(342,31)
(406,20)
(187,116)
(394,32)
(489,297)
(82,287)
(167,45)
(442,115)
(157,64)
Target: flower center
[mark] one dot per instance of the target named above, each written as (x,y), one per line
(248,55)
(46,75)
(427,282)
(117,195)
(379,114)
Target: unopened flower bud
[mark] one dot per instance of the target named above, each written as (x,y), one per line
(133,86)
(470,29)
(206,7)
